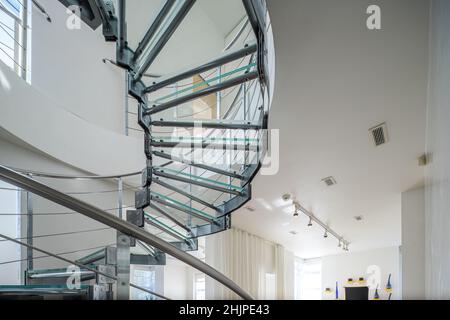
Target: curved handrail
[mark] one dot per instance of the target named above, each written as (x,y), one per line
(40,189)
(72,177)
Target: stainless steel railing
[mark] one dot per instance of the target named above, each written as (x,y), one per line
(14,178)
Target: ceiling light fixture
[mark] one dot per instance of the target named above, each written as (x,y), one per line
(298,208)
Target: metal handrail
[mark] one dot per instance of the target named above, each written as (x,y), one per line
(114,222)
(72,177)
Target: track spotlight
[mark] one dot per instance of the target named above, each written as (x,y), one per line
(340,243)
(296,215)
(310,222)
(325,235)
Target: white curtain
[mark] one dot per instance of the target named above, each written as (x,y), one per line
(250,261)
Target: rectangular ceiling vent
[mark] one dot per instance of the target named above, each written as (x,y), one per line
(379,134)
(329,181)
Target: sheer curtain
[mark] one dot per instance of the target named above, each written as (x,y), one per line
(250,261)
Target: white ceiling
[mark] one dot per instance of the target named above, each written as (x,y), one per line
(336,79)
(225,14)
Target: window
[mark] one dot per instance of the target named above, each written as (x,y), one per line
(308,279)
(199,286)
(9,225)
(145,278)
(14,35)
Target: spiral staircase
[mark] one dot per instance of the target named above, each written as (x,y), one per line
(200,164)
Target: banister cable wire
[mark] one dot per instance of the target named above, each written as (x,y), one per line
(80,265)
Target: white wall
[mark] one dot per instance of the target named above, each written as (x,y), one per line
(413,244)
(354,265)
(437,199)
(177,280)
(39,121)
(67,66)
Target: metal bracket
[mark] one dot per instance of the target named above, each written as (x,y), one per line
(123,267)
(142,198)
(110,22)
(159,259)
(144,120)
(147,177)
(107,269)
(186,246)
(220,224)
(137,89)
(236,203)
(135,217)
(89,11)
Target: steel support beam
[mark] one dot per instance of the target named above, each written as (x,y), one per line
(163,39)
(179,208)
(170,217)
(198,165)
(186,194)
(226,58)
(153,28)
(203,145)
(208,125)
(163,229)
(197,183)
(205,92)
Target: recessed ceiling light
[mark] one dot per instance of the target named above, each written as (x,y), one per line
(251,209)
(358,218)
(329,181)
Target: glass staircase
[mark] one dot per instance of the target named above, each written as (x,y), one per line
(205,137)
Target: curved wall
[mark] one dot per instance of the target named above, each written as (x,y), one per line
(37,120)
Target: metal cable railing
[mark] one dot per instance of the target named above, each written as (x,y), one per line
(103,217)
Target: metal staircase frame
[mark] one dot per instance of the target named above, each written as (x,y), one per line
(136,63)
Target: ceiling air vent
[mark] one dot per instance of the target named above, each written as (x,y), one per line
(379,134)
(329,181)
(294,233)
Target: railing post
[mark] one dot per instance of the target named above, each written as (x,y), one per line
(126,104)
(123,253)
(219,95)
(246,118)
(24,40)
(120,197)
(29,230)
